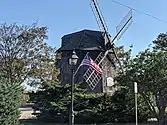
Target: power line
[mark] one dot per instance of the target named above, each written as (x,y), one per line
(152,16)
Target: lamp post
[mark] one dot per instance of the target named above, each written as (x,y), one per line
(72,61)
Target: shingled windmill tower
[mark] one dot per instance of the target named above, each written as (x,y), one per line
(101,49)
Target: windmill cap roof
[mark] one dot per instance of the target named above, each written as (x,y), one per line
(83,40)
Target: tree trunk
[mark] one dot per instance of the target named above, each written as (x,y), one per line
(150,104)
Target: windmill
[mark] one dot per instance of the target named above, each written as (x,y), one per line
(91,76)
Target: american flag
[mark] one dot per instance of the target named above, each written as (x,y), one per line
(89,62)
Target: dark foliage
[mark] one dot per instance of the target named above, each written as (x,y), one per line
(9,104)
(54,102)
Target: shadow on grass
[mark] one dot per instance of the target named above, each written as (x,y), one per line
(38,122)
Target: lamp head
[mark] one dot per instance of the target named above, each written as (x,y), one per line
(74,58)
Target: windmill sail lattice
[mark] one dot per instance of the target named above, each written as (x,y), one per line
(124,24)
(91,76)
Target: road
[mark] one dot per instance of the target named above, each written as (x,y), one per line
(26,113)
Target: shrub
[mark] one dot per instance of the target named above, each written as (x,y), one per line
(9,104)
(54,102)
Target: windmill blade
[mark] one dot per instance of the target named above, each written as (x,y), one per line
(123,31)
(127,17)
(103,27)
(90,76)
(111,46)
(121,28)
(101,15)
(119,62)
(97,18)
(98,15)
(124,24)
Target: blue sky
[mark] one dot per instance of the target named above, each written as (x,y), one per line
(66,16)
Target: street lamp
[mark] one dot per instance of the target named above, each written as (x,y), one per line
(72,61)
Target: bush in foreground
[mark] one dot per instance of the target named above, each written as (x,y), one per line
(9,104)
(54,102)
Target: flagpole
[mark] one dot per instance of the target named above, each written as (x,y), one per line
(80,65)
(77,70)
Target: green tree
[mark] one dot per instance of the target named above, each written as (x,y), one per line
(23,53)
(21,47)
(10,103)
(149,70)
(54,101)
(45,71)
(161,42)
